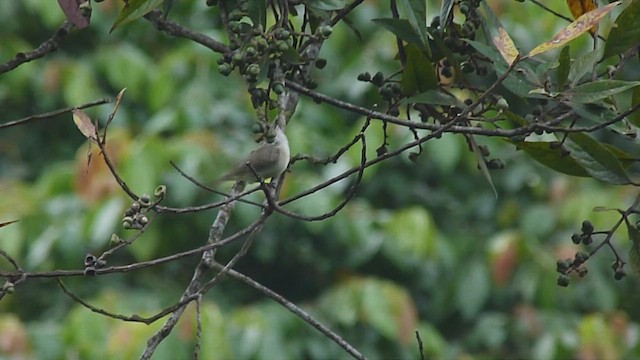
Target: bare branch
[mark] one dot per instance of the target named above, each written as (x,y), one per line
(157,19)
(294,309)
(47,47)
(54,113)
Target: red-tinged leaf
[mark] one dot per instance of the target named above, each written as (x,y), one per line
(72,10)
(575,29)
(84,124)
(506,46)
(8,223)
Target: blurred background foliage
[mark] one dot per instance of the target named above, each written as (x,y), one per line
(424,246)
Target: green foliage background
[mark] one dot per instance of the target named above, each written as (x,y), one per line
(424,246)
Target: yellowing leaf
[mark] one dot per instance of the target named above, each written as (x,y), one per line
(84,124)
(505,45)
(575,29)
(581,7)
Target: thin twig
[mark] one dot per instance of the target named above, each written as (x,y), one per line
(54,113)
(156,17)
(47,47)
(294,309)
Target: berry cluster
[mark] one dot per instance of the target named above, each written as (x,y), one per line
(585,237)
(135,217)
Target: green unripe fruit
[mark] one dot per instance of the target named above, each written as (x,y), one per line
(250,52)
(502,104)
(326,30)
(237,58)
(283,46)
(224,69)
(365,76)
(253,69)
(563,280)
(278,88)
(377,79)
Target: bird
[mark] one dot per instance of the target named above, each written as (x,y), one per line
(269,160)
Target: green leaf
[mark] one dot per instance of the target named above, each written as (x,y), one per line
(434,97)
(564,61)
(552,158)
(413,232)
(133,10)
(384,305)
(516,82)
(596,159)
(473,289)
(257,10)
(400,28)
(446,13)
(634,251)
(597,114)
(417,16)
(583,65)
(634,118)
(599,90)
(419,74)
(481,163)
(625,32)
(326,5)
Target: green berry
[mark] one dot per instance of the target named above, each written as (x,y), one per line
(563,280)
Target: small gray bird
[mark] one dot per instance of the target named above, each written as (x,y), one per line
(269,160)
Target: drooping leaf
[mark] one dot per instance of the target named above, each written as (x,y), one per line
(417,15)
(133,10)
(400,28)
(634,118)
(505,45)
(625,32)
(481,163)
(84,124)
(72,10)
(446,12)
(564,65)
(552,158)
(596,159)
(575,29)
(597,90)
(419,74)
(634,251)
